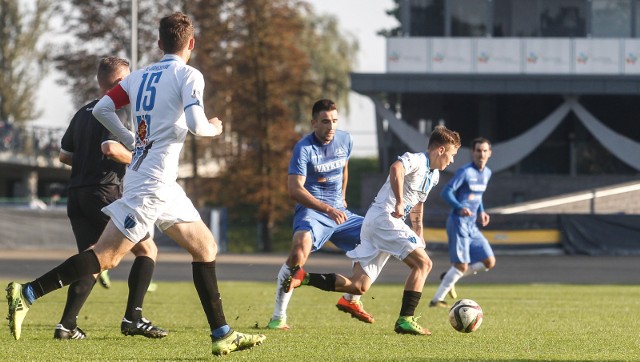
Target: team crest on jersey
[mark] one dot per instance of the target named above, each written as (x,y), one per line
(340,152)
(130,222)
(142,132)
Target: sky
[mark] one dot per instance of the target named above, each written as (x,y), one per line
(360,18)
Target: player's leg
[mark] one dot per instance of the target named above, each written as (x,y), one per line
(311,230)
(481,254)
(420,265)
(106,254)
(457,233)
(346,237)
(197,239)
(300,249)
(81,210)
(140,275)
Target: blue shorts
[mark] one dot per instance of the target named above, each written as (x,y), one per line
(345,236)
(467,245)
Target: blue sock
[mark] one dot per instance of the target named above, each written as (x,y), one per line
(220,331)
(27,293)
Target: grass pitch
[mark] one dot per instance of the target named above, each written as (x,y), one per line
(522,323)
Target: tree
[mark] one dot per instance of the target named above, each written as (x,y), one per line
(268,61)
(332,56)
(22,61)
(102,28)
(264,61)
(395,12)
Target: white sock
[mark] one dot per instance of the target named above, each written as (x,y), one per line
(450,278)
(351,297)
(475,268)
(282,299)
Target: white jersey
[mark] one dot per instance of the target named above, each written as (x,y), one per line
(158,95)
(418,181)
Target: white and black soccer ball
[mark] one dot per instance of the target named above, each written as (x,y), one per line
(465,316)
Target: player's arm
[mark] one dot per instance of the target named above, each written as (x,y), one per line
(449,194)
(345,180)
(115,151)
(302,196)
(416,217)
(66,157)
(484,217)
(396,179)
(105,112)
(198,123)
(66,144)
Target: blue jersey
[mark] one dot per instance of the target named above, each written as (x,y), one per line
(323,166)
(465,189)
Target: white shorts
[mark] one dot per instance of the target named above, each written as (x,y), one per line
(382,236)
(146,201)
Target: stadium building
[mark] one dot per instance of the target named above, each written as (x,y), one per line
(552,83)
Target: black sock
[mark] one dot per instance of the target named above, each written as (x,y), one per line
(76,267)
(76,296)
(410,300)
(139,280)
(323,281)
(206,283)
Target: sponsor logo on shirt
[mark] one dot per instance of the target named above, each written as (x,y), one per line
(477,188)
(326,167)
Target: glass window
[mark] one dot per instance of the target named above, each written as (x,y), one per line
(427,17)
(469,18)
(637,19)
(562,18)
(611,18)
(512,18)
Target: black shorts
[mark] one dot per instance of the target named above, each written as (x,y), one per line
(84,210)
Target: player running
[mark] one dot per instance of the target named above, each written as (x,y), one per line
(166,102)
(318,175)
(469,250)
(385,233)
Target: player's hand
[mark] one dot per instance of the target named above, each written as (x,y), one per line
(336,215)
(465,212)
(217,124)
(398,213)
(484,218)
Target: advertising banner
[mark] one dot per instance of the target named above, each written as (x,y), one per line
(498,56)
(407,55)
(451,55)
(597,56)
(547,55)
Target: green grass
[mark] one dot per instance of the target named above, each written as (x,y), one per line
(522,323)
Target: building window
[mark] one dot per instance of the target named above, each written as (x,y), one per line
(512,18)
(427,18)
(562,18)
(469,18)
(611,18)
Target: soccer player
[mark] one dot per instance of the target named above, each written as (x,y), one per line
(469,250)
(166,102)
(98,164)
(318,174)
(385,233)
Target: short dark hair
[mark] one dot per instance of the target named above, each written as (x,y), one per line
(479,140)
(442,136)
(108,69)
(175,31)
(322,106)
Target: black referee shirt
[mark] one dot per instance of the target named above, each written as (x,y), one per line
(84,138)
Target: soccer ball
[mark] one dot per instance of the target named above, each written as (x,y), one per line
(465,316)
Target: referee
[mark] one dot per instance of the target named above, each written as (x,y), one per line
(98,163)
